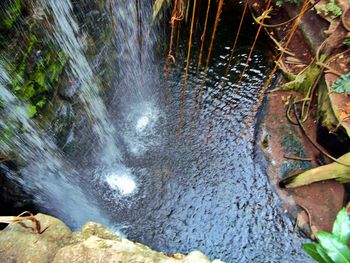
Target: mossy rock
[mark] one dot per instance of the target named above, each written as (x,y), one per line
(326,114)
(10,11)
(303,81)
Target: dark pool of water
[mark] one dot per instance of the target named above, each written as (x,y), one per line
(207,190)
(211,194)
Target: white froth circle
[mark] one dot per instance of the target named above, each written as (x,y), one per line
(124,183)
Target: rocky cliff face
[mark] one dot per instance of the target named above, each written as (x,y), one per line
(93,243)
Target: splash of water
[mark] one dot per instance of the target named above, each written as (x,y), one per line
(66,35)
(134,41)
(46,172)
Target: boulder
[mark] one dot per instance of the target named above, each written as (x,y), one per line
(93,243)
(19,244)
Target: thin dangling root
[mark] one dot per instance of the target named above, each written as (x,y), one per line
(176,16)
(191,119)
(20,220)
(183,93)
(199,98)
(266,86)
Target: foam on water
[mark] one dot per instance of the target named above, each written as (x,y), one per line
(124,183)
(142,123)
(46,173)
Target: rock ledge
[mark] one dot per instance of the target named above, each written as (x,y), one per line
(93,243)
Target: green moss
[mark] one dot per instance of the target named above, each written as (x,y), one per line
(35,84)
(327,117)
(265,142)
(292,146)
(7,133)
(304,80)
(281,2)
(346,42)
(331,9)
(11,10)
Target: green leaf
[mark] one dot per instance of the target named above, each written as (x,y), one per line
(28,90)
(341,226)
(17,88)
(323,254)
(31,110)
(342,84)
(311,250)
(336,250)
(41,103)
(157,6)
(346,42)
(40,78)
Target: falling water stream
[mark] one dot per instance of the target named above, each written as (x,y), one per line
(120,161)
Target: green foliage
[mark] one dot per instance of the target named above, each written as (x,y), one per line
(332,9)
(346,42)
(31,110)
(157,6)
(304,80)
(317,252)
(281,2)
(10,11)
(33,84)
(342,84)
(341,226)
(7,134)
(332,247)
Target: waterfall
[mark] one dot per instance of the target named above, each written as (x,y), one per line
(135,39)
(57,183)
(136,96)
(66,34)
(46,174)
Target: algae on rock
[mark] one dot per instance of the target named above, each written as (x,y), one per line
(303,81)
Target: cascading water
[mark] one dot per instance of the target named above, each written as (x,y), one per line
(66,34)
(45,173)
(130,170)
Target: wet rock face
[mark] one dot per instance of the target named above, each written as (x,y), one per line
(94,243)
(13,200)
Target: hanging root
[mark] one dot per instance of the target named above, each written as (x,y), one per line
(139,25)
(246,64)
(217,17)
(266,86)
(228,67)
(235,41)
(257,20)
(114,28)
(177,16)
(20,220)
(191,119)
(236,90)
(315,144)
(183,93)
